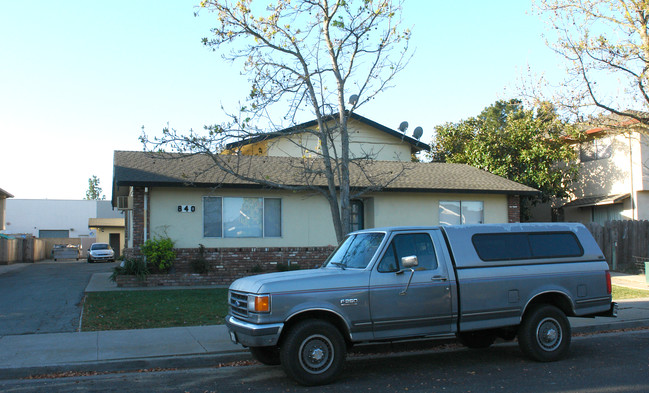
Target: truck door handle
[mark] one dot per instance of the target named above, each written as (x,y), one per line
(439,278)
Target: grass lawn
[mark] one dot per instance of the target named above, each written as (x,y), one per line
(620,293)
(185,307)
(154,309)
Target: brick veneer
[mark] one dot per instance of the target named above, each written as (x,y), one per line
(138,215)
(228,264)
(514,208)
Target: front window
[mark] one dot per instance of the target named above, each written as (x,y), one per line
(461,212)
(356,251)
(233,217)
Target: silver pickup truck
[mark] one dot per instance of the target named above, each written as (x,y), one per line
(478,282)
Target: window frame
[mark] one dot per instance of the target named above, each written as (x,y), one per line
(263,217)
(461,211)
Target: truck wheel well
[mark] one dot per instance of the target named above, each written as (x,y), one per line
(556,299)
(328,316)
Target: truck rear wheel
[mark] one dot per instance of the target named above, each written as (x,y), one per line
(266,355)
(545,333)
(313,352)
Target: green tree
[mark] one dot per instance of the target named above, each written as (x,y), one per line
(527,146)
(94,191)
(606,46)
(318,58)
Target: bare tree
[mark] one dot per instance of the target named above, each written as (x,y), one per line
(606,44)
(320,58)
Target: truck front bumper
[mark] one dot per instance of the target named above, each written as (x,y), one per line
(253,335)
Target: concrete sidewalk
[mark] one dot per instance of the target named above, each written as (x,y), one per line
(199,346)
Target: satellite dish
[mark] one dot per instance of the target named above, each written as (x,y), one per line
(403,126)
(417,133)
(353,99)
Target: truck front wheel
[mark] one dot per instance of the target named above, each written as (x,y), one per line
(545,333)
(313,352)
(266,355)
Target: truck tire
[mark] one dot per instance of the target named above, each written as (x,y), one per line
(545,333)
(476,340)
(313,352)
(266,355)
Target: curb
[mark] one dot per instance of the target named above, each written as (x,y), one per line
(129,365)
(217,359)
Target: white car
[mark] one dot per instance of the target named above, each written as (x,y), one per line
(101,252)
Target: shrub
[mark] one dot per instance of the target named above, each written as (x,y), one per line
(131,267)
(159,253)
(200,264)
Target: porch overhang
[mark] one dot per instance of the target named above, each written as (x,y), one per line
(597,200)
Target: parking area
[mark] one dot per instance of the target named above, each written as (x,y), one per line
(44,297)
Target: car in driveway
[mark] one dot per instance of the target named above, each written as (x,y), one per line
(99,252)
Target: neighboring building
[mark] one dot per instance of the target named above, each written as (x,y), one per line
(109,230)
(221,211)
(56,218)
(614,176)
(3,206)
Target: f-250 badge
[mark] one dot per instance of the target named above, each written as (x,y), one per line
(349,302)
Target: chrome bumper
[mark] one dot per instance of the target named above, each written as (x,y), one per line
(253,335)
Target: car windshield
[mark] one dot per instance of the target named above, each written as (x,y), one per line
(356,251)
(100,247)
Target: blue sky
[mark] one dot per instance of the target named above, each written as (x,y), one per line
(80,79)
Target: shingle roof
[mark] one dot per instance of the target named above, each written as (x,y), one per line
(166,169)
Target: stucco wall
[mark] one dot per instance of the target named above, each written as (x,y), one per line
(363,141)
(306,219)
(423,208)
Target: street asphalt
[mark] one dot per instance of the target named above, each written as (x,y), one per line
(205,346)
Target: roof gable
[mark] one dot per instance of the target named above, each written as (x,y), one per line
(416,144)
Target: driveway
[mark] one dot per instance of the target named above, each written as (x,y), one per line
(44,297)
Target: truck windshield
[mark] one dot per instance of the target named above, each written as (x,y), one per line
(356,251)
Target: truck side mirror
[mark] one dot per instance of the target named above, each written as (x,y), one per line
(409,262)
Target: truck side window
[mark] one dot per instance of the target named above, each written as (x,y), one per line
(417,244)
(389,261)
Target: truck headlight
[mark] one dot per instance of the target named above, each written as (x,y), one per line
(259,303)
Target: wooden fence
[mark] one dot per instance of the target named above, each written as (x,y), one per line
(624,243)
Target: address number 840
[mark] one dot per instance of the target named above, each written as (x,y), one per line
(186,208)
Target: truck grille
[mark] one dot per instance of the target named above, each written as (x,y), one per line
(239,303)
